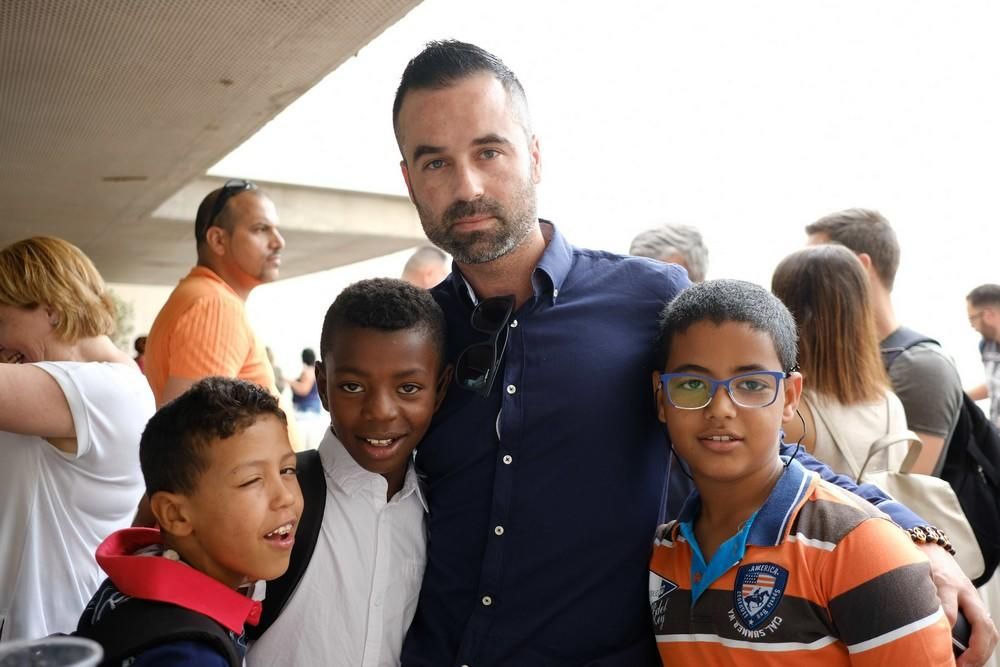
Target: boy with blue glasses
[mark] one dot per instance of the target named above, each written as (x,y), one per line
(767,564)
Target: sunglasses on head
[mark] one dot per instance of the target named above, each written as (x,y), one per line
(231,188)
(477,366)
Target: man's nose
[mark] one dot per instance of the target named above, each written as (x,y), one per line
(469,182)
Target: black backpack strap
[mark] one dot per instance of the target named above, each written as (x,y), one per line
(899,341)
(139,625)
(312,480)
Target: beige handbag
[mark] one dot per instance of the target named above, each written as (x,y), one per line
(929,497)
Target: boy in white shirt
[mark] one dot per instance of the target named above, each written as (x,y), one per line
(381,377)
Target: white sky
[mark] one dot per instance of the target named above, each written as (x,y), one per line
(747,119)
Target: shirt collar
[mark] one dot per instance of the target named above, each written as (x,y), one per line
(341,469)
(174,582)
(549,273)
(772,520)
(204,272)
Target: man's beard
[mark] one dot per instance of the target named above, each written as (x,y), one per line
(512,226)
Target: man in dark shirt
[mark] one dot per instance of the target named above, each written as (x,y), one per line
(544,476)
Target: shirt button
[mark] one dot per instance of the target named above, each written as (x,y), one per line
(487,601)
(697,577)
(498,530)
(555,292)
(507,459)
(511,389)
(513,324)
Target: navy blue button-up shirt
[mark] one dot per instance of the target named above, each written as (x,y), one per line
(543,497)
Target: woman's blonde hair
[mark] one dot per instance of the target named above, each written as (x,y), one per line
(826,289)
(48,271)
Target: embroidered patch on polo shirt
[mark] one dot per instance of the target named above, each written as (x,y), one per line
(659,589)
(757,592)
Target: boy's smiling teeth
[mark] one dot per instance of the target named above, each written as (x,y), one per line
(379,442)
(720,438)
(280,530)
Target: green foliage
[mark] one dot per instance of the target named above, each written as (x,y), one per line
(124,321)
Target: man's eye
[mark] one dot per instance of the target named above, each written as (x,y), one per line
(434,165)
(490,153)
(250,482)
(409,388)
(351,387)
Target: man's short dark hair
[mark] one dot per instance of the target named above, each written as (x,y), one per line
(720,301)
(308,356)
(863,231)
(172,451)
(384,304)
(984,295)
(442,63)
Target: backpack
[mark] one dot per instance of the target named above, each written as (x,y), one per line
(312,480)
(137,626)
(972,461)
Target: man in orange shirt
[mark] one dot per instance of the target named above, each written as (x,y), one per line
(202,329)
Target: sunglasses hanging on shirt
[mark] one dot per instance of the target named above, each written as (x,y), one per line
(477,366)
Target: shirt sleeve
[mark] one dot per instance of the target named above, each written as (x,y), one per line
(110,404)
(929,386)
(898,512)
(181,654)
(210,338)
(885,609)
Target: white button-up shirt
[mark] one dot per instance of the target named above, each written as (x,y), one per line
(359,592)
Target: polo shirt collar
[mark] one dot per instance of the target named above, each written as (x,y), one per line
(165,580)
(771,522)
(341,469)
(204,272)
(549,274)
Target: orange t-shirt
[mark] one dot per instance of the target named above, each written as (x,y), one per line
(203,330)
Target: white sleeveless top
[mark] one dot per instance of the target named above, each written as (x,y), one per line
(55,508)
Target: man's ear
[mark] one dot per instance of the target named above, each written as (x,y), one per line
(172,513)
(792,394)
(406,179)
(444,380)
(321,384)
(216,240)
(536,160)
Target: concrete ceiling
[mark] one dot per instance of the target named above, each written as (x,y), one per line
(110,108)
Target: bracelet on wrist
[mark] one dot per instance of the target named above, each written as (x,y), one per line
(931,535)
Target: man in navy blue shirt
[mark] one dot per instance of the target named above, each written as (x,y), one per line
(544,477)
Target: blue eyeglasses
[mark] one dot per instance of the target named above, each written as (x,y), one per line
(689,391)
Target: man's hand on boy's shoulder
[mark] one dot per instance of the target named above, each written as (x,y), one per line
(181,654)
(956,591)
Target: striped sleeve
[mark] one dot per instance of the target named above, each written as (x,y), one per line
(882,600)
(210,338)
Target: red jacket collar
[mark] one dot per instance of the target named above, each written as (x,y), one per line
(165,580)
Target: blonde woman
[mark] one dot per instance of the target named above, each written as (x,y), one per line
(73,407)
